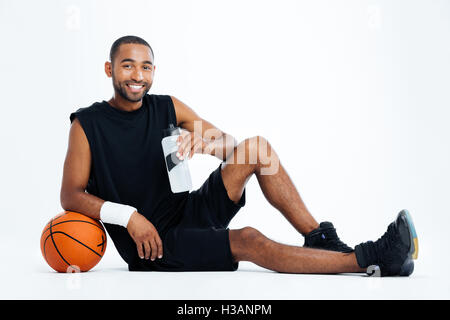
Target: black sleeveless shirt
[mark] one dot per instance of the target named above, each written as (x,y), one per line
(128,164)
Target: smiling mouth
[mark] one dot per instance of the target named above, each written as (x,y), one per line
(135,88)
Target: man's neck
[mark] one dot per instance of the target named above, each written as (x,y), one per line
(122,104)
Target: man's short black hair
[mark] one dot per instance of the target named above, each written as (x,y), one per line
(125,40)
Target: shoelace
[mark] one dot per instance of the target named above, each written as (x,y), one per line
(334,240)
(385,242)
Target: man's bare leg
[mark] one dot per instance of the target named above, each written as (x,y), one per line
(255,156)
(248,244)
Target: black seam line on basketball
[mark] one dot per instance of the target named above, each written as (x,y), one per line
(54,244)
(45,254)
(45,243)
(52,225)
(72,221)
(54,219)
(102,244)
(62,215)
(77,241)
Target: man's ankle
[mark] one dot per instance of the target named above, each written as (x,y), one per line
(308,229)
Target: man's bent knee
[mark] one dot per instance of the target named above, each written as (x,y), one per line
(242,243)
(258,153)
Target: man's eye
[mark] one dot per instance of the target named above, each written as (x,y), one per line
(126,66)
(147,68)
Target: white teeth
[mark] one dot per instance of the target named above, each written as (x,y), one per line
(135,87)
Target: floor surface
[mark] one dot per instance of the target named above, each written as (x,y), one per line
(110,279)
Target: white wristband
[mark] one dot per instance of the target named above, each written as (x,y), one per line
(116,213)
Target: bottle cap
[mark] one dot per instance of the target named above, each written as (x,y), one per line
(171,131)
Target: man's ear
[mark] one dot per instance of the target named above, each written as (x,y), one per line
(108,69)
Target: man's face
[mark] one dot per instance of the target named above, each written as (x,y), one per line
(132,71)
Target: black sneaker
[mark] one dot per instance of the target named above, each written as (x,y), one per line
(325,238)
(394,252)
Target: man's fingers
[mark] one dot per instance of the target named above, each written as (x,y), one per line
(184,136)
(185,133)
(185,146)
(192,147)
(147,250)
(154,249)
(140,250)
(182,151)
(195,147)
(160,247)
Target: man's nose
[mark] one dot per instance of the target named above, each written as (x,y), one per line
(137,75)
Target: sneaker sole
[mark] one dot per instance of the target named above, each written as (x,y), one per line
(414,249)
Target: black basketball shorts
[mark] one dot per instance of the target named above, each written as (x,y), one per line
(200,240)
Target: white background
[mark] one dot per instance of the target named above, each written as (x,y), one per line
(353,96)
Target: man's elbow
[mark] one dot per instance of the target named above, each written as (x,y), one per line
(64,199)
(68,198)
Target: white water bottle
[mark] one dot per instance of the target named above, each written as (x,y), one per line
(178,170)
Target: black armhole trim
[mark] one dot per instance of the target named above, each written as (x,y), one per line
(172,113)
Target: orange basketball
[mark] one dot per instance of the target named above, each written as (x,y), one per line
(73,242)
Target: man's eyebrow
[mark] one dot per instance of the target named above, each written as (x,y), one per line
(131,60)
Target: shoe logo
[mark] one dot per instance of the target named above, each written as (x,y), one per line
(323,236)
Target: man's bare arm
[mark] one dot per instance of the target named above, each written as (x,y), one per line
(77,167)
(219,143)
